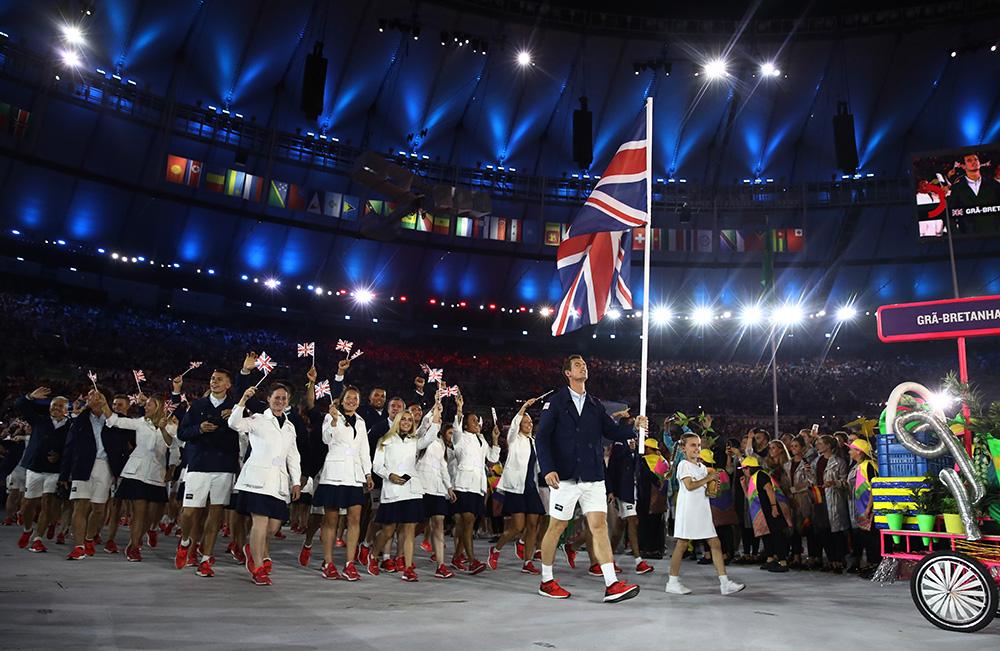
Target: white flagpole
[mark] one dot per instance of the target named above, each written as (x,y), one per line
(646,302)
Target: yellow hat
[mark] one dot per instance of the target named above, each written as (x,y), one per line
(651,442)
(862,445)
(708,457)
(750,462)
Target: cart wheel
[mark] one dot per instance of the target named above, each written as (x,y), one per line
(954,592)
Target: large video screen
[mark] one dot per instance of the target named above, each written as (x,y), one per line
(959,188)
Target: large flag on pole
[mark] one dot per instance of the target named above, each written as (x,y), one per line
(595,255)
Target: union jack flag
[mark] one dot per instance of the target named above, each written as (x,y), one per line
(307,349)
(170,407)
(265,363)
(358,353)
(133,398)
(450,391)
(92,377)
(435,375)
(344,345)
(139,376)
(595,255)
(322,389)
(195,364)
(425,368)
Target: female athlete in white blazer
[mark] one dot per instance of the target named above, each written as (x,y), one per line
(272,467)
(438,494)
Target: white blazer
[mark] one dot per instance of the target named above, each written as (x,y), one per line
(471,453)
(516,470)
(399,456)
(348,460)
(148,461)
(434,473)
(274,465)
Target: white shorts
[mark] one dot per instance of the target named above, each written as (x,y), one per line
(97,489)
(626,510)
(17,479)
(37,484)
(590,495)
(208,488)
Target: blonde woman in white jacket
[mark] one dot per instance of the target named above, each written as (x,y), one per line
(438,494)
(144,477)
(264,481)
(519,483)
(341,484)
(471,452)
(402,491)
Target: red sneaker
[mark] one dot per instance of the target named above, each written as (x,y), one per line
(133,554)
(595,570)
(570,555)
(351,572)
(37,546)
(330,571)
(61,538)
(400,564)
(111,547)
(225,531)
(51,531)
(372,565)
(281,536)
(167,528)
(8,521)
(261,578)
(231,548)
(476,568)
(339,542)
(205,570)
(266,566)
(194,559)
(25,538)
(443,572)
(363,552)
(78,553)
(458,562)
(538,556)
(494,557)
(426,546)
(20,518)
(153,537)
(181,556)
(643,568)
(552,590)
(248,559)
(620,591)
(90,547)
(519,550)
(389,566)
(410,575)
(529,568)
(305,554)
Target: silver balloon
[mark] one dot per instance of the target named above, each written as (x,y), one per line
(946,444)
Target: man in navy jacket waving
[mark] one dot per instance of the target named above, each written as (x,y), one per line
(570,449)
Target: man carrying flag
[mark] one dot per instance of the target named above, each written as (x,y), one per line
(593,262)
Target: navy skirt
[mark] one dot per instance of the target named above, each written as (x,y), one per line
(527,502)
(473,503)
(338,497)
(133,489)
(249,503)
(436,505)
(403,512)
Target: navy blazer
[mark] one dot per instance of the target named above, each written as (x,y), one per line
(217,451)
(621,472)
(571,444)
(45,437)
(81,449)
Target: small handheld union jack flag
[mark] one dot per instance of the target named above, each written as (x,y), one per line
(435,375)
(425,368)
(93,378)
(358,353)
(345,346)
(139,377)
(191,366)
(265,363)
(450,391)
(133,399)
(322,389)
(169,407)
(307,349)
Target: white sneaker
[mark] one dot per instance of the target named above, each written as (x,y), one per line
(730,587)
(676,587)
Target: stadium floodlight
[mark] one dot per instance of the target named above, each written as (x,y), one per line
(702,316)
(788,314)
(751,315)
(71,59)
(846,313)
(73,35)
(271,283)
(715,69)
(545,311)
(662,315)
(524,58)
(319,291)
(768,69)
(363,296)
(613,314)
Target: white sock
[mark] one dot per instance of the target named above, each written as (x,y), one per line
(204,558)
(673,579)
(638,559)
(723,579)
(608,570)
(185,542)
(385,557)
(546,572)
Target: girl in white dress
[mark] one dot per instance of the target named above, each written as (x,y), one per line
(693,520)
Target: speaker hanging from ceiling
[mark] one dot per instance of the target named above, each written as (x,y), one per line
(314,82)
(843,139)
(583,136)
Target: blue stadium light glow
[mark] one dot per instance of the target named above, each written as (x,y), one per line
(14,231)
(61,242)
(272,283)
(211,272)
(244,277)
(100,250)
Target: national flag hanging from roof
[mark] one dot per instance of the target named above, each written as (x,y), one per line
(595,255)
(184,171)
(277,195)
